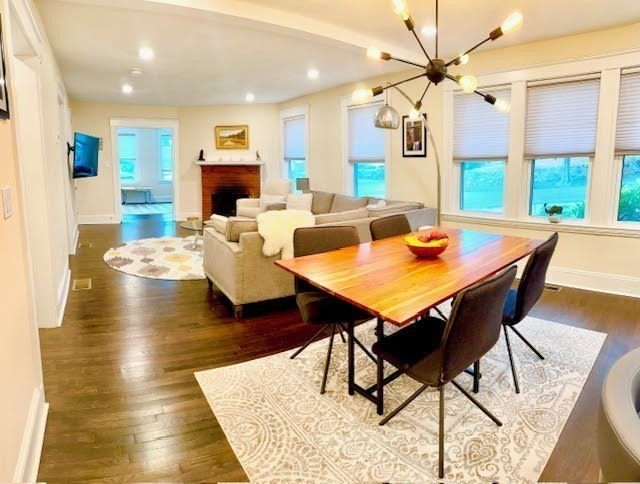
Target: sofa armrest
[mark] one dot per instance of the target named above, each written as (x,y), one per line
(248,203)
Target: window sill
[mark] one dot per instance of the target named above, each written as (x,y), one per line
(567,227)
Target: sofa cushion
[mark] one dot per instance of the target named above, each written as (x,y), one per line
(239,225)
(267,199)
(299,201)
(321,202)
(392,209)
(342,203)
(329,218)
(218,222)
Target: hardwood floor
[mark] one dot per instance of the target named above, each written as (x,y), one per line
(125,404)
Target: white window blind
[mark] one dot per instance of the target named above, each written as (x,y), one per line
(480,132)
(295,138)
(628,131)
(562,119)
(366,142)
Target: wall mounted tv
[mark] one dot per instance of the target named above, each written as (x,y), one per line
(85,155)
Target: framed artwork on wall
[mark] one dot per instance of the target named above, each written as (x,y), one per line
(232,137)
(414,137)
(4,96)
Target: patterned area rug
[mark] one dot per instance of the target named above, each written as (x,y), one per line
(282,429)
(169,258)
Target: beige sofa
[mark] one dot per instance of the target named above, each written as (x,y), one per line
(235,264)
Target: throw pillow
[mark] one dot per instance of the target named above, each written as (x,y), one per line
(299,201)
(267,199)
(321,202)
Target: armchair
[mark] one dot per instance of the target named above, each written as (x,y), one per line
(274,193)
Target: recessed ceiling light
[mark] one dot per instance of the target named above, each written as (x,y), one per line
(429,30)
(146,53)
(136,71)
(127,88)
(313,73)
(250,97)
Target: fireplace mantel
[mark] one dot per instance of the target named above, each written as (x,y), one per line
(230,163)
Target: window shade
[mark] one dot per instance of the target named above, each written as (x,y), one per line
(628,131)
(562,119)
(366,142)
(295,138)
(480,132)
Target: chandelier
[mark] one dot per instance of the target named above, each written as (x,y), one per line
(435,70)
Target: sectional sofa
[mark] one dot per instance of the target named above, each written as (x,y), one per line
(235,264)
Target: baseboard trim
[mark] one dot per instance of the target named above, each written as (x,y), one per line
(63,295)
(28,463)
(97,219)
(76,237)
(182,216)
(595,281)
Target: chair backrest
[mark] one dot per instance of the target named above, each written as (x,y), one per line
(474,325)
(389,226)
(277,186)
(533,278)
(314,240)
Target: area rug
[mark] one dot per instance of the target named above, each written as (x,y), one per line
(169,258)
(282,429)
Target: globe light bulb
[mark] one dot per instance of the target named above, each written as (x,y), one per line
(414,115)
(512,22)
(401,9)
(463,59)
(468,83)
(362,95)
(374,53)
(502,106)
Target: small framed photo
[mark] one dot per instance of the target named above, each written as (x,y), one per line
(232,137)
(414,137)
(4,96)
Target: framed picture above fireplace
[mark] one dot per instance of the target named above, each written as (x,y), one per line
(232,137)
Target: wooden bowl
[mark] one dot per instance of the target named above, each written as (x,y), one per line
(426,251)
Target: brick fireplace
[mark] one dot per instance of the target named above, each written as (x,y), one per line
(224,182)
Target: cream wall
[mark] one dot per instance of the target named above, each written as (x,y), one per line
(195,132)
(414,178)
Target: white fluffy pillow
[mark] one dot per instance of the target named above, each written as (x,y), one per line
(299,201)
(267,199)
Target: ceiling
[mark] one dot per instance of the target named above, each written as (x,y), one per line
(215,51)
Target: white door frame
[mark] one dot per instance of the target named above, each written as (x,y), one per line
(171,124)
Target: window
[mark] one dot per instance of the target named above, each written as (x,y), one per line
(295,147)
(128,153)
(481,148)
(166,157)
(366,152)
(560,142)
(628,148)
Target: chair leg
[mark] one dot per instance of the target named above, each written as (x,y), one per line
(441,436)
(404,404)
(359,343)
(476,377)
(513,366)
(441,313)
(527,343)
(326,365)
(340,330)
(304,347)
(477,403)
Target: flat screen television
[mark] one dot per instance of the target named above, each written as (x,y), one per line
(85,155)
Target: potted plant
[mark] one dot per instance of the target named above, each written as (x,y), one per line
(554,213)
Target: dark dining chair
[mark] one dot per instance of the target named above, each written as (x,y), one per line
(521,301)
(390,226)
(316,306)
(434,351)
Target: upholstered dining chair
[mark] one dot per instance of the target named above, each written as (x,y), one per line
(521,301)
(434,352)
(390,226)
(316,306)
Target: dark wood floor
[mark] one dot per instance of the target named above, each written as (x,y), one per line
(125,404)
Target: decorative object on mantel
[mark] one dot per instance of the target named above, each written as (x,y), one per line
(436,71)
(553,212)
(232,137)
(414,137)
(303,185)
(201,156)
(4,95)
(258,155)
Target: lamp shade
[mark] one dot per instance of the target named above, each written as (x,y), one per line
(302,184)
(387,118)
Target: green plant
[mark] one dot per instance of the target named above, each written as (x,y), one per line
(553,210)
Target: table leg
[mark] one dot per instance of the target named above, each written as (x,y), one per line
(380,379)
(351,358)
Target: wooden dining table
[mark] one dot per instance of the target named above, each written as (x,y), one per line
(386,280)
